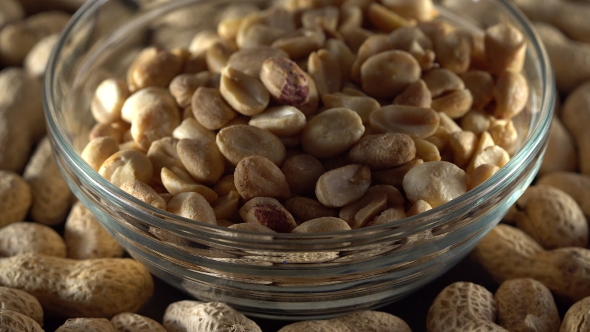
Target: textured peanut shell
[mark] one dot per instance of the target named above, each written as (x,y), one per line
(526,305)
(130,322)
(12,321)
(574,184)
(89,288)
(29,237)
(51,194)
(198,316)
(463,306)
(507,253)
(15,198)
(577,318)
(21,302)
(86,238)
(86,325)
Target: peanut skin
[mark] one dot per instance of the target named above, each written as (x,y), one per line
(89,288)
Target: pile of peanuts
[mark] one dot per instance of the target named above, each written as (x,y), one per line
(305,118)
(331,117)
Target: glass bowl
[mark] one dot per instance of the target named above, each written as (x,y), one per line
(281,276)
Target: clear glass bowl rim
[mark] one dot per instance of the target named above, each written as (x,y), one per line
(154,217)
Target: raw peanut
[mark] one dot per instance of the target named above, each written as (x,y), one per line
(21,117)
(422,10)
(15,198)
(210,108)
(244,93)
(177,180)
(358,213)
(249,60)
(113,130)
(256,176)
(18,38)
(476,121)
(183,86)
(344,56)
(164,153)
(442,81)
(481,85)
(127,165)
(567,56)
(285,81)
(225,206)
(28,237)
(574,113)
(202,41)
(426,150)
(200,316)
(453,50)
(331,132)
(322,225)
(493,155)
(304,209)
(416,94)
(575,185)
(389,215)
(51,194)
(414,121)
(561,154)
(192,129)
(217,56)
(414,41)
(192,206)
(324,69)
(526,305)
(282,121)
(505,48)
(385,19)
(511,93)
(504,135)
(130,322)
(146,99)
(98,150)
(435,182)
(383,150)
(323,18)
(154,123)
(22,302)
(36,60)
(386,74)
(551,217)
(202,159)
(15,321)
(86,238)
(11,11)
(480,174)
(144,193)
(362,105)
(300,43)
(463,145)
(508,253)
(463,306)
(252,227)
(268,212)
(153,67)
(576,317)
(302,172)
(343,185)
(49,279)
(240,141)
(454,104)
(371,46)
(395,176)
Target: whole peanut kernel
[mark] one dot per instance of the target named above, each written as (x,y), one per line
(304,208)
(244,93)
(108,100)
(257,176)
(98,150)
(153,67)
(344,185)
(127,165)
(282,121)
(202,159)
(210,108)
(322,225)
(240,141)
(192,205)
(386,74)
(383,150)
(435,182)
(250,60)
(285,81)
(414,121)
(268,212)
(144,193)
(302,172)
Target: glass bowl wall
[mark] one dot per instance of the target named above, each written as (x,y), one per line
(279,275)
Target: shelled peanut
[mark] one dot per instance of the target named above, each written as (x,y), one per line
(320,104)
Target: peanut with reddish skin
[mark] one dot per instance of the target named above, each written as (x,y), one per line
(285,81)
